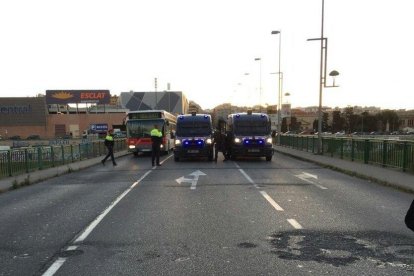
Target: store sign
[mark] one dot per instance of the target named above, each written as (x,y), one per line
(77,96)
(23,111)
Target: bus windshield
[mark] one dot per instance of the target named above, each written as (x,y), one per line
(194,128)
(142,128)
(251,128)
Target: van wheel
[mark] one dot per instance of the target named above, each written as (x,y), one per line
(210,157)
(269,158)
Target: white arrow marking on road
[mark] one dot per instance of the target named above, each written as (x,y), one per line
(183,179)
(310,175)
(193,181)
(304,176)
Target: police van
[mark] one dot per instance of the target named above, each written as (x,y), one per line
(194,136)
(249,134)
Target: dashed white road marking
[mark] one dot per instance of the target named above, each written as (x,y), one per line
(295,224)
(85,233)
(292,222)
(271,201)
(54,267)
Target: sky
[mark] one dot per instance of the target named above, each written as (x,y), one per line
(207,49)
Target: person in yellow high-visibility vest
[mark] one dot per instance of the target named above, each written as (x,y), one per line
(109,143)
(156,139)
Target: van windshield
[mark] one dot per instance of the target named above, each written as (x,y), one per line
(251,128)
(191,128)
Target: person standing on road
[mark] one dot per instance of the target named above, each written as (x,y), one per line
(156,138)
(219,145)
(109,143)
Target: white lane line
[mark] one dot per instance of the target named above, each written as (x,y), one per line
(54,267)
(263,193)
(60,261)
(271,201)
(248,178)
(94,223)
(295,224)
(162,161)
(72,247)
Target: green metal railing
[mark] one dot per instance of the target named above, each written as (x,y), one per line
(386,153)
(18,161)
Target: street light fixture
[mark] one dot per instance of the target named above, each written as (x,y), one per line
(279,111)
(260,82)
(322,78)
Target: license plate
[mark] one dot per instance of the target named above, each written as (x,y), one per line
(253,150)
(192,151)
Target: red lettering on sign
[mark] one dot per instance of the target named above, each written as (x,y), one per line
(93,96)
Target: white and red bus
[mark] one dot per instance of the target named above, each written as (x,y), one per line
(139,125)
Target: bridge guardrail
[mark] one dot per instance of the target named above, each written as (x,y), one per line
(383,152)
(24,160)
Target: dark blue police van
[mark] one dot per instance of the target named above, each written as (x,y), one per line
(194,136)
(249,134)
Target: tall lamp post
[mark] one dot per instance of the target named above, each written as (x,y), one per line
(260,82)
(322,78)
(279,109)
(287,94)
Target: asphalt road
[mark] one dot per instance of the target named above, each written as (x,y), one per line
(243,217)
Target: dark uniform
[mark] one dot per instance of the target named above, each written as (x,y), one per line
(156,139)
(109,143)
(219,145)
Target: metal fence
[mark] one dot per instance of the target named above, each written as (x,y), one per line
(386,153)
(18,161)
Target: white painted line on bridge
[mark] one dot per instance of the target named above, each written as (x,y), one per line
(85,233)
(54,267)
(292,222)
(94,223)
(271,201)
(295,224)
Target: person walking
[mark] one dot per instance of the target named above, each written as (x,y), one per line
(109,143)
(156,139)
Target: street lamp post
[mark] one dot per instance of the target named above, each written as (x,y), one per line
(287,94)
(322,78)
(260,82)
(279,111)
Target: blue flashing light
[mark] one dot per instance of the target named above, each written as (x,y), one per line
(205,116)
(262,115)
(237,115)
(181,117)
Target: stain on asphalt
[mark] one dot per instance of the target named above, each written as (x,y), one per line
(345,248)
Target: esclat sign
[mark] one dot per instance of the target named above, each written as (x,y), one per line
(77,96)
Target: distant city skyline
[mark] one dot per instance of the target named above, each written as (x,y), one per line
(213,51)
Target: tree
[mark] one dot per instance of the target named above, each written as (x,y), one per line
(336,121)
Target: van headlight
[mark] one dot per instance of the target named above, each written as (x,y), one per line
(237,140)
(269,140)
(177,142)
(209,141)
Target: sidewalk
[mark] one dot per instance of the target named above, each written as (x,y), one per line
(37,176)
(385,176)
